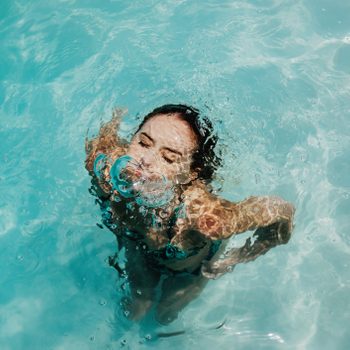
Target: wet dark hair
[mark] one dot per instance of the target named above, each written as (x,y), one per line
(205,161)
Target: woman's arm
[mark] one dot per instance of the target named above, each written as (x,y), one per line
(218,218)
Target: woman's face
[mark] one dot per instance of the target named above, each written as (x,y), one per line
(165,145)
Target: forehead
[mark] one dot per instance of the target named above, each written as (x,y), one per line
(171,130)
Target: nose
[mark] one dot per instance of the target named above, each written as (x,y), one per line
(147,160)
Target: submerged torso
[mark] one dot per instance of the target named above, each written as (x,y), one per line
(156,229)
(155,232)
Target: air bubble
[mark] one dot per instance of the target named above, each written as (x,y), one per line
(126,313)
(143,210)
(163,214)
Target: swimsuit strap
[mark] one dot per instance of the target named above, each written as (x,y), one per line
(215,245)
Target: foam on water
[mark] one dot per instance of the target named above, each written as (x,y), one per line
(274,78)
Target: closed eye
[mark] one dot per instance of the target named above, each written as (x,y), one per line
(170,157)
(168,160)
(144,144)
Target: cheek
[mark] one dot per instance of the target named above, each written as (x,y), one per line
(179,172)
(136,151)
(132,147)
(184,168)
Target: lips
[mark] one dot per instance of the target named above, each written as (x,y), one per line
(130,180)
(149,183)
(142,181)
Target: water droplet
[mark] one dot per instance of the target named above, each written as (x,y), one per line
(139,292)
(143,210)
(163,214)
(126,313)
(103,302)
(257,178)
(148,337)
(123,342)
(20,257)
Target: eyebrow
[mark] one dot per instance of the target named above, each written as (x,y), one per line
(149,137)
(166,148)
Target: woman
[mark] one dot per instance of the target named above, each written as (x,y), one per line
(155,197)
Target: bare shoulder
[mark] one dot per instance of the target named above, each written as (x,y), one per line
(208,213)
(198,197)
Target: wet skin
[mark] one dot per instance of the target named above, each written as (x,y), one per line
(165,145)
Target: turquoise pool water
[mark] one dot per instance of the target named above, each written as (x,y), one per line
(273,75)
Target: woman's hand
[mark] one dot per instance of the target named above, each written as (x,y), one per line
(265,238)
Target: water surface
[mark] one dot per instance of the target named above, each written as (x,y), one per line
(274,76)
